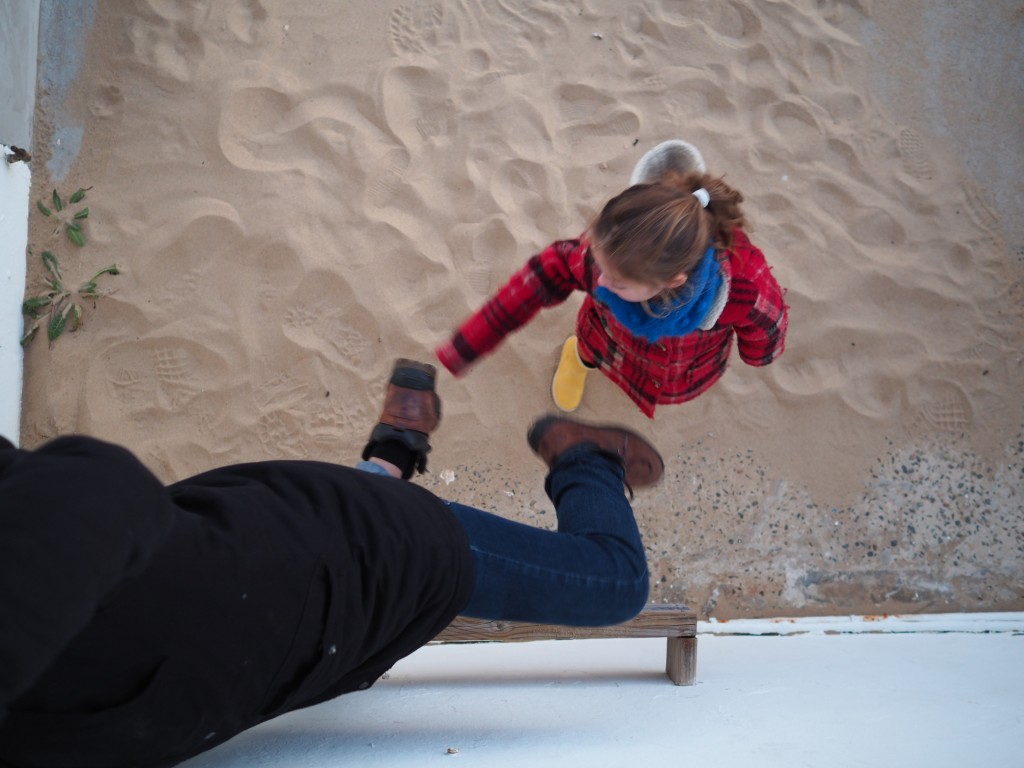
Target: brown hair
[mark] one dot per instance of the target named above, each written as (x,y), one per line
(653,232)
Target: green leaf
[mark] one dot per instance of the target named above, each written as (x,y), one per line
(42,208)
(88,289)
(32,305)
(31,332)
(50,262)
(79,196)
(113,269)
(83,214)
(57,203)
(75,235)
(58,323)
(77,315)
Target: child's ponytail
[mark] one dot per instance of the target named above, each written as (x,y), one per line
(723,202)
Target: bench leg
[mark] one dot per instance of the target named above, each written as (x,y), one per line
(681,660)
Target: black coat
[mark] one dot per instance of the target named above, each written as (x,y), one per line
(142,625)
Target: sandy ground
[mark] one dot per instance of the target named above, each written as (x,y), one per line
(299,193)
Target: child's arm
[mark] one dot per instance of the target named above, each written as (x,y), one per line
(546,280)
(761,338)
(757,307)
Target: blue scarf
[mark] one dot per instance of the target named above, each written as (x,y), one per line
(687,312)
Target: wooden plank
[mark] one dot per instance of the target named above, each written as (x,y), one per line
(681,660)
(653,621)
(677,623)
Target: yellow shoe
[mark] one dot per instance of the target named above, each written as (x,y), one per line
(571,376)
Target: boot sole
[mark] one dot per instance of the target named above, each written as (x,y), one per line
(412,374)
(536,433)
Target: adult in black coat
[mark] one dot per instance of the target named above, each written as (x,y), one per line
(144,624)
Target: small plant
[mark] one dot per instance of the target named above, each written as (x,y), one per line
(60,307)
(71,221)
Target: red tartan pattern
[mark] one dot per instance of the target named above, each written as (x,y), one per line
(673,370)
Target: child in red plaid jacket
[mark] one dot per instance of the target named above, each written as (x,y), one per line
(670,279)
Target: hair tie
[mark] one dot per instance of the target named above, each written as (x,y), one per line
(703,196)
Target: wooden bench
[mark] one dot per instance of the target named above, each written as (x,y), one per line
(675,622)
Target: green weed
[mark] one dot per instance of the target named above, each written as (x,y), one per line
(60,308)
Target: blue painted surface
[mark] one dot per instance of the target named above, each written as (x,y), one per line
(63,27)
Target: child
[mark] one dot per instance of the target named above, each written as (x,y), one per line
(670,278)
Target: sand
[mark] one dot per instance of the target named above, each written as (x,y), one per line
(299,193)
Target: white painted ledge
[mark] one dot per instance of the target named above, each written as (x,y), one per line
(926,622)
(15,185)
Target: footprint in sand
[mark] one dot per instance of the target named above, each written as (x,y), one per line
(416,97)
(249,130)
(436,120)
(268,292)
(824,59)
(495,245)
(655,82)
(841,156)
(192,243)
(876,226)
(176,56)
(175,372)
(280,433)
(106,101)
(131,388)
(299,318)
(247,19)
(415,27)
(794,124)
(916,161)
(156,374)
(595,123)
(759,63)
(530,190)
(388,179)
(982,214)
(525,24)
(332,429)
(734,20)
(948,413)
(326,317)
(267,128)
(281,390)
(184,286)
(481,250)
(169,10)
(692,97)
(640,28)
(581,102)
(833,197)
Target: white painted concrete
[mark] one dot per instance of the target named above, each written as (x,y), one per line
(15,182)
(19,32)
(859,697)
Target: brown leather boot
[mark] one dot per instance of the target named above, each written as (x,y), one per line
(412,410)
(553,435)
(410,401)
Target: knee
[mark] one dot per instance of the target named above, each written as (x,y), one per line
(630,600)
(638,599)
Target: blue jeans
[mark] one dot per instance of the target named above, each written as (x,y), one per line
(592,571)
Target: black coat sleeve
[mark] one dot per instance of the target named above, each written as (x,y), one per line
(78,517)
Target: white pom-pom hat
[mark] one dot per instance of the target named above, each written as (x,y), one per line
(672,155)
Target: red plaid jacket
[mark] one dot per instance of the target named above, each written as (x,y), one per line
(671,370)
